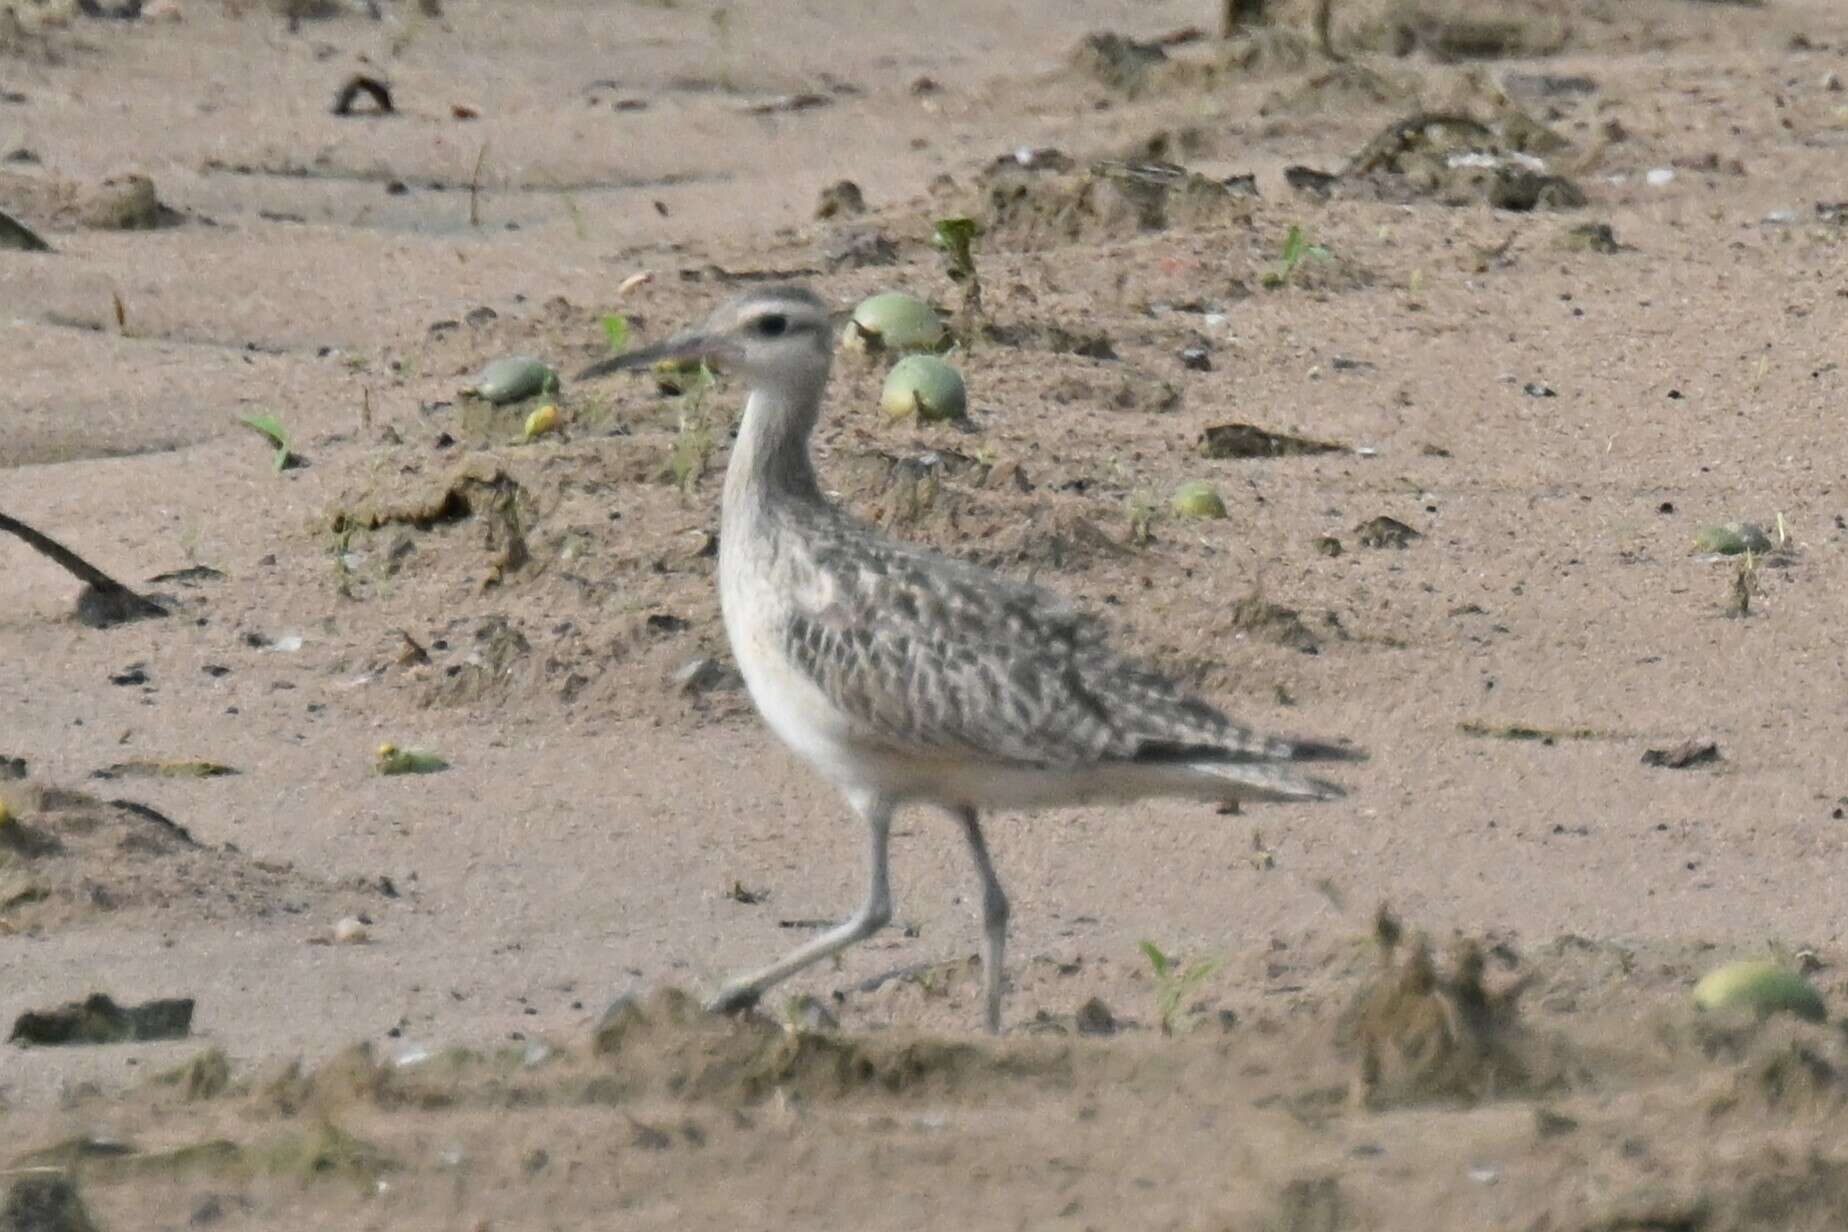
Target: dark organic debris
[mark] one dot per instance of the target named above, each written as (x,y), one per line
(1116,61)
(1095,1018)
(12,768)
(1419,1035)
(372,88)
(1385,532)
(1681,756)
(146,768)
(1024,207)
(17,235)
(705,675)
(99,1020)
(788,103)
(1589,237)
(190,575)
(1259,617)
(479,484)
(842,198)
(1051,337)
(1308,180)
(44,1202)
(104,600)
(27,842)
(858,247)
(1528,731)
(1242,440)
(1459,160)
(206,1076)
(173,828)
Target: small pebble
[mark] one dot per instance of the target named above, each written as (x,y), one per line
(1660,177)
(349,931)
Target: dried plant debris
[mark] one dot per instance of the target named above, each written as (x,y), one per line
(841,199)
(1242,440)
(1450,30)
(1456,159)
(146,768)
(97,1019)
(44,1201)
(1529,731)
(104,601)
(479,485)
(1258,617)
(1123,64)
(1682,756)
(1385,532)
(1588,237)
(1419,1035)
(361,86)
(17,235)
(1022,208)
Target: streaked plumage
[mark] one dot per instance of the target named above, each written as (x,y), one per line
(907,676)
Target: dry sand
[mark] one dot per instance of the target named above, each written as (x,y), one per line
(1556,422)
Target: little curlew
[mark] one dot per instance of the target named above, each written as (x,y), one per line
(908,677)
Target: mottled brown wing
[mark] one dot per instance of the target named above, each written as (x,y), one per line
(931,653)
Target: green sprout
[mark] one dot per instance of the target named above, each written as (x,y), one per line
(616,330)
(270,428)
(1296,250)
(1175,982)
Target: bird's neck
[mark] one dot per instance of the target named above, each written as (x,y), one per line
(770,460)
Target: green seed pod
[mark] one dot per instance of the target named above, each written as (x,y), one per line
(925,386)
(509,380)
(893,321)
(1732,539)
(1197,499)
(1762,986)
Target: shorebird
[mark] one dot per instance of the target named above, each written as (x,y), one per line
(908,677)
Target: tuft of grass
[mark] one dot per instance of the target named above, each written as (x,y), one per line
(1143,509)
(956,238)
(1744,585)
(1296,249)
(693,444)
(1175,982)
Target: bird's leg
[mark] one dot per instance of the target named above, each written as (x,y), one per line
(742,991)
(994,915)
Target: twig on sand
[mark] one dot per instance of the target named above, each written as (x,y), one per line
(104,601)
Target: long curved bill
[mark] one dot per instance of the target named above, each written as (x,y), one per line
(692,345)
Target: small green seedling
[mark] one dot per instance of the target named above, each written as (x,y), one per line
(270,428)
(616,330)
(1296,250)
(1175,982)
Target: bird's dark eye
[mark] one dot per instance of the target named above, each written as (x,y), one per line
(775,325)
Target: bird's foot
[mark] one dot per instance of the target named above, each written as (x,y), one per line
(733,998)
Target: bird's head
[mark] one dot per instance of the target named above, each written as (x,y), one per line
(773,336)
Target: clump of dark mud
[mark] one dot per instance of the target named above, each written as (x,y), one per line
(1420,1035)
